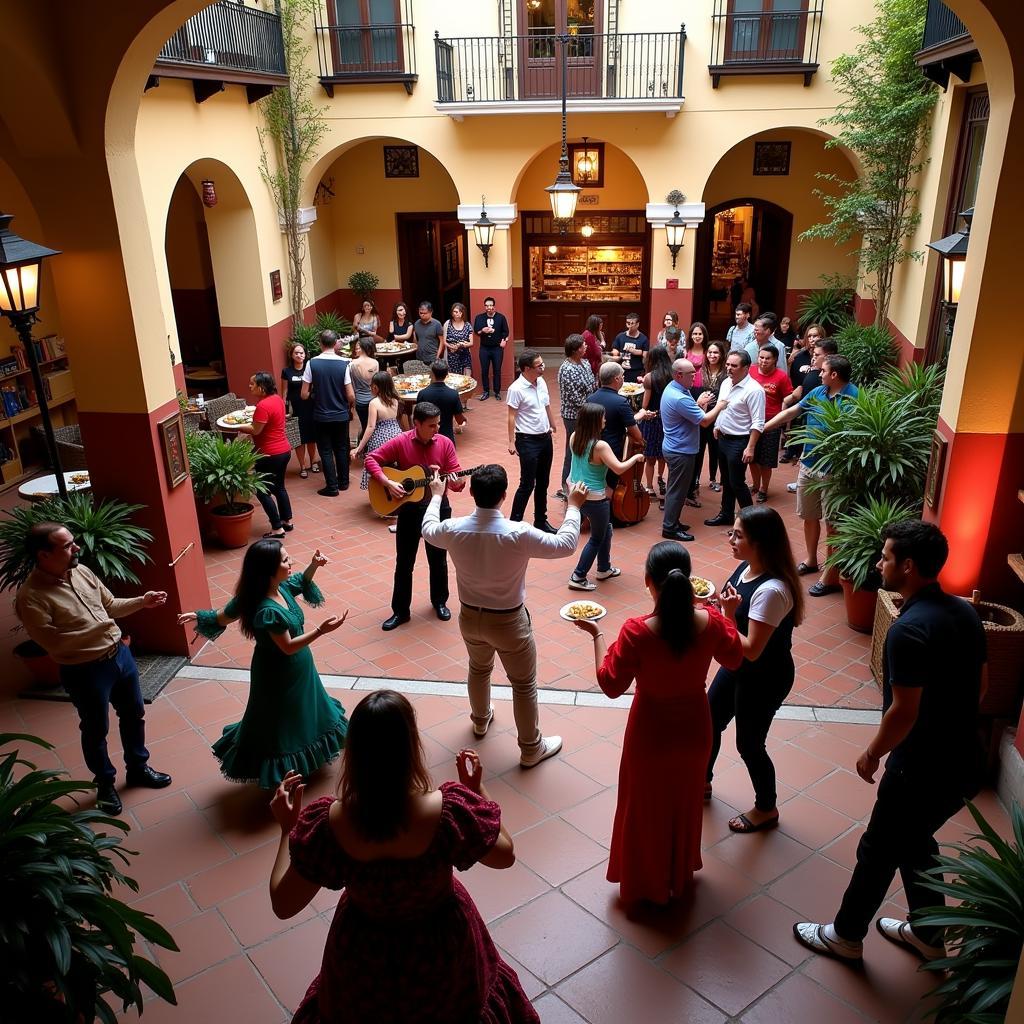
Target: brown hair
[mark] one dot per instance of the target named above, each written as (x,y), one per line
(766,531)
(383,765)
(689,335)
(385,385)
(589,424)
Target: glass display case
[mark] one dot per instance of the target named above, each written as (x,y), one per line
(585,273)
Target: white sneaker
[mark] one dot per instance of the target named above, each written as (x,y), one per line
(791,488)
(480,731)
(822,939)
(584,584)
(609,573)
(901,933)
(549,746)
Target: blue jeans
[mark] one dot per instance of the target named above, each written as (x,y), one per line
(491,357)
(93,687)
(599,544)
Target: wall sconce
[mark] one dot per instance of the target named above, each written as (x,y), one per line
(553,250)
(209,193)
(587,230)
(587,160)
(483,230)
(953,250)
(675,228)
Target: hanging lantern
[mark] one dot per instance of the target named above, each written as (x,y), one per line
(209,193)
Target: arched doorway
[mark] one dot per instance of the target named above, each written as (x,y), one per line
(741,240)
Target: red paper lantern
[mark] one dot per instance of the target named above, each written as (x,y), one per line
(209,193)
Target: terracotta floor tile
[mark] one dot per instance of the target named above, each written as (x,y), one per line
(496,893)
(797,768)
(203,941)
(553,1011)
(624,986)
(594,817)
(800,999)
(169,906)
(599,760)
(725,968)
(763,856)
(556,851)
(770,924)
(813,889)
(175,849)
(531,984)
(517,812)
(239,874)
(553,937)
(810,822)
(845,792)
(252,920)
(154,811)
(289,962)
(553,784)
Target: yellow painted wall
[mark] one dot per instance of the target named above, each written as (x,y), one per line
(186,246)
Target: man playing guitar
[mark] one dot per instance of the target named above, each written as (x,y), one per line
(421,446)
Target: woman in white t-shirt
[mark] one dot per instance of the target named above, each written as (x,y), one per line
(764,598)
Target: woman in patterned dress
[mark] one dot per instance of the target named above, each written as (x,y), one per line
(407,944)
(458,339)
(382,419)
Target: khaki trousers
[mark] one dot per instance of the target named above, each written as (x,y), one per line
(510,636)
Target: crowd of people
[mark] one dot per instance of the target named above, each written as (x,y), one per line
(389,839)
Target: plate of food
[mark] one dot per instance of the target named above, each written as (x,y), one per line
(631,389)
(575,611)
(78,479)
(240,418)
(703,589)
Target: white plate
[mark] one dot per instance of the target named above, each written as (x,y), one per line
(705,597)
(564,612)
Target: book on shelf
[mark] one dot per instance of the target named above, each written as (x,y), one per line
(12,402)
(19,353)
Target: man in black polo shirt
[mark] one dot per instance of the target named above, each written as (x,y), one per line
(445,398)
(619,421)
(934,678)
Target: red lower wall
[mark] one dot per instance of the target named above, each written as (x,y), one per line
(664,299)
(504,302)
(247,350)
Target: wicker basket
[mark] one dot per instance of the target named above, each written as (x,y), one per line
(1004,637)
(291,431)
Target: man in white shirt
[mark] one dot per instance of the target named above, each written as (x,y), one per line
(742,333)
(739,423)
(531,428)
(491,556)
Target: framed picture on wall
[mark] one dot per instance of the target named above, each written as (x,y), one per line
(172,439)
(772,158)
(936,466)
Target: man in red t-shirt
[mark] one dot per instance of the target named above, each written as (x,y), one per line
(777,385)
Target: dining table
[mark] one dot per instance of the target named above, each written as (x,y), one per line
(409,385)
(42,487)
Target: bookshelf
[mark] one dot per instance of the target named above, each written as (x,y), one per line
(20,454)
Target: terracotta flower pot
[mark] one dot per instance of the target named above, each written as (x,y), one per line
(860,607)
(232,530)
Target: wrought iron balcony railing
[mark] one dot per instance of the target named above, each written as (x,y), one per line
(228,35)
(602,66)
(946,47)
(350,54)
(776,42)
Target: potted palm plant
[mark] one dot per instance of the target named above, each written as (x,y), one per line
(67,940)
(984,926)
(363,283)
(830,306)
(224,477)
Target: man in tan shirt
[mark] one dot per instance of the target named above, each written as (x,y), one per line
(70,614)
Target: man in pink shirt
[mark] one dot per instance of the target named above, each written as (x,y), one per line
(777,385)
(421,446)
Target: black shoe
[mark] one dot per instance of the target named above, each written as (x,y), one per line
(719,520)
(443,612)
(107,799)
(497,395)
(147,777)
(676,535)
(327,492)
(545,527)
(485,396)
(394,622)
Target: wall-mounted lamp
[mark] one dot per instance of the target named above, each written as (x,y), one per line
(483,231)
(587,230)
(953,250)
(675,227)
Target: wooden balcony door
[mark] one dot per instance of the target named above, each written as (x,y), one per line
(540,58)
(366,37)
(766,30)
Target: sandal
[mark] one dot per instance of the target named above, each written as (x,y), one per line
(304,473)
(274,536)
(805,569)
(747,826)
(315,467)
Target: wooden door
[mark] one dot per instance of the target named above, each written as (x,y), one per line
(432,258)
(540,58)
(366,37)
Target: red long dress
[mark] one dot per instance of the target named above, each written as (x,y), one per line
(407,944)
(658,818)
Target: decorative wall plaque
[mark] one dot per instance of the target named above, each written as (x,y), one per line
(401,162)
(772,158)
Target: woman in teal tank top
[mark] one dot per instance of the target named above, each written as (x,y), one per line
(591,458)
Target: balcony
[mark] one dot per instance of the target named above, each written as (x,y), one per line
(359,53)
(947,47)
(775,42)
(227,43)
(629,71)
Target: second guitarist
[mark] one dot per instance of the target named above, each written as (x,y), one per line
(421,446)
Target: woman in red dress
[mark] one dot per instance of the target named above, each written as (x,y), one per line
(407,944)
(656,836)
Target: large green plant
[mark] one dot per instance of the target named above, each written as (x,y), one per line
(364,283)
(883,117)
(330,321)
(225,469)
(830,306)
(871,351)
(66,940)
(985,929)
(111,544)
(875,445)
(856,544)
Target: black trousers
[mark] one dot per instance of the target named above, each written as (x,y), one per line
(490,358)
(535,454)
(275,502)
(93,687)
(407,544)
(900,837)
(332,444)
(752,699)
(734,473)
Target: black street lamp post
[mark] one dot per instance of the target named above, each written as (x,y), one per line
(20,266)
(563,192)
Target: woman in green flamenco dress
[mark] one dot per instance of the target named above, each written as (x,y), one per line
(290,722)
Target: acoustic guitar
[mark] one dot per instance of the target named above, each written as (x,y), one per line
(413,481)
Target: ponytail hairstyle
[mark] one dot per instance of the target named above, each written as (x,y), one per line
(668,566)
